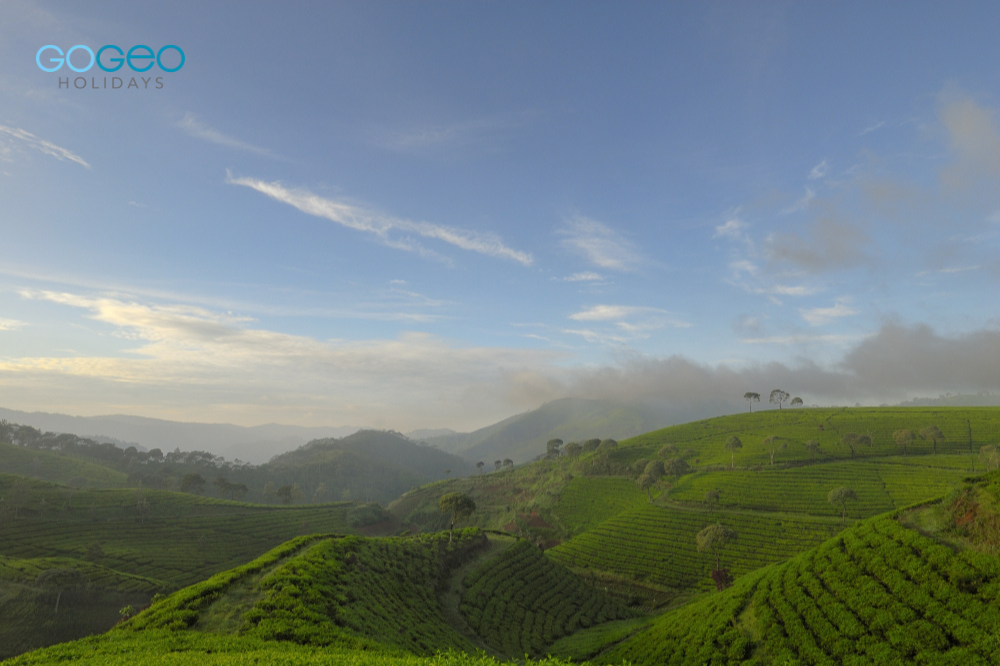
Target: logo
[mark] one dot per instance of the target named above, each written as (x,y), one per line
(134,54)
(110,58)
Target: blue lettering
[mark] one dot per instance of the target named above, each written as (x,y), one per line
(58,61)
(160,53)
(139,56)
(70,62)
(120,61)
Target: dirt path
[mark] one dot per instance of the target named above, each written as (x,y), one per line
(451,598)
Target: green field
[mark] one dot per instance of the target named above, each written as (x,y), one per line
(593,569)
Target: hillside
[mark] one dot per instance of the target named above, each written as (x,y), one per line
(522,437)
(879,592)
(372,595)
(129,544)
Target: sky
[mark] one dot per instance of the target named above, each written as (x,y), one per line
(439,214)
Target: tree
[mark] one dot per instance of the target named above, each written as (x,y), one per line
(777,397)
(269,491)
(732,445)
(608,444)
(903,438)
(63,578)
(668,451)
(591,445)
(932,433)
(654,468)
(459,505)
(319,493)
(552,448)
(645,482)
(193,483)
(480,465)
(284,494)
(813,446)
(497,464)
(715,539)
(990,455)
(796,401)
(851,440)
(772,446)
(751,397)
(675,467)
(840,496)
(507,462)
(573,449)
(712,496)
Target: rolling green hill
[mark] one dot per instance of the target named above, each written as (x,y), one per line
(61,468)
(602,570)
(879,592)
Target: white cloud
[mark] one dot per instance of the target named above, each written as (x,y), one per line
(820,316)
(200,130)
(732,228)
(819,170)
(27,139)
(610,312)
(801,204)
(599,244)
(872,128)
(207,361)
(10,324)
(582,277)
(800,339)
(384,227)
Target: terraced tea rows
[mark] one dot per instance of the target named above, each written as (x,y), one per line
(880,487)
(179,540)
(587,502)
(519,601)
(657,544)
(878,593)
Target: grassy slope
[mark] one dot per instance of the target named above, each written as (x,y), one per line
(378,596)
(179,540)
(61,468)
(877,593)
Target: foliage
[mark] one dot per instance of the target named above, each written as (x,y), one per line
(519,601)
(715,539)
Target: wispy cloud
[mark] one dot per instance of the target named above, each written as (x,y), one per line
(200,130)
(10,324)
(446,135)
(819,316)
(801,204)
(819,170)
(623,322)
(384,227)
(582,277)
(872,128)
(599,244)
(29,140)
(801,339)
(731,228)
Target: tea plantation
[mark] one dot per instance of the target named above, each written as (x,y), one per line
(595,568)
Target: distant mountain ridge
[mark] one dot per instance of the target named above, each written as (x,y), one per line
(256,444)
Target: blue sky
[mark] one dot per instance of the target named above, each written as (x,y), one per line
(439,214)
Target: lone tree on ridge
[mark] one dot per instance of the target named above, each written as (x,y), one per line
(933,433)
(840,496)
(459,505)
(796,401)
(732,444)
(552,448)
(751,397)
(903,438)
(772,446)
(715,539)
(777,397)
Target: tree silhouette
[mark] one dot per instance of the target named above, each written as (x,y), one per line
(552,448)
(772,446)
(459,505)
(840,496)
(777,397)
(751,397)
(795,401)
(480,465)
(732,445)
(645,482)
(932,433)
(903,438)
(715,539)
